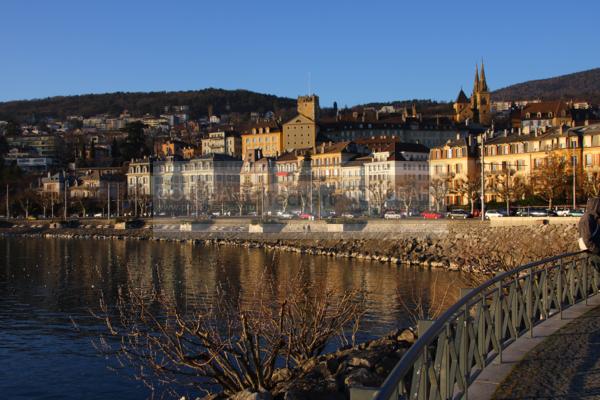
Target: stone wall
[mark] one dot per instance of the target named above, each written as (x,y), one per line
(473,247)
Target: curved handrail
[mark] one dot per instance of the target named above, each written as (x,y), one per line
(390,385)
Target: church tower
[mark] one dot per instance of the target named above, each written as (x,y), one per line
(484,100)
(478,107)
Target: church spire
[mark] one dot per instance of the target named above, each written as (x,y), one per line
(482,83)
(476,83)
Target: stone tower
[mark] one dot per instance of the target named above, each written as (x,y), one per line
(478,107)
(484,103)
(309,106)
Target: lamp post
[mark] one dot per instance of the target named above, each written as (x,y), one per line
(483,176)
(574,161)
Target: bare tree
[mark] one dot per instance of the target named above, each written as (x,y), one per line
(427,302)
(438,189)
(379,192)
(407,191)
(226,346)
(468,188)
(549,178)
(241,197)
(506,186)
(591,184)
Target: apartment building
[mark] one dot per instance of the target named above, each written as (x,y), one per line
(229,143)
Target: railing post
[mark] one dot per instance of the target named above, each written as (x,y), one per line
(571,275)
(530,302)
(545,293)
(465,351)
(560,289)
(498,320)
(585,280)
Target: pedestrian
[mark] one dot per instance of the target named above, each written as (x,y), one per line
(589,231)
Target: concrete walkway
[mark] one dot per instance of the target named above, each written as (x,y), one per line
(561,361)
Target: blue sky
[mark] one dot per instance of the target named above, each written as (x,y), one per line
(354,51)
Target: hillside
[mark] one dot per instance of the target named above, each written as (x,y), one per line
(583,85)
(139,103)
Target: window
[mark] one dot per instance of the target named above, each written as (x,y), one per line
(588,160)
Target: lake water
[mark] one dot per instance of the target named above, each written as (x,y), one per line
(48,286)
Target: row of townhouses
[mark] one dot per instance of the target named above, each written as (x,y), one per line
(394,171)
(511,157)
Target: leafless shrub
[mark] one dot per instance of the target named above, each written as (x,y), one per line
(224,346)
(427,303)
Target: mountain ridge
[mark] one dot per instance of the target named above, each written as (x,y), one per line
(582,85)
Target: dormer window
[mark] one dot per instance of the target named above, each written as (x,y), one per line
(528,115)
(550,114)
(539,115)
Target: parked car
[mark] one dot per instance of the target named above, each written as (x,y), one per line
(576,213)
(495,214)
(564,212)
(432,215)
(393,215)
(348,215)
(306,216)
(459,213)
(286,215)
(542,213)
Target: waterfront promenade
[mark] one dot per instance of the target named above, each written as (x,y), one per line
(565,365)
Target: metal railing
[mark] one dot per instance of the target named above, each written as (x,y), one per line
(448,356)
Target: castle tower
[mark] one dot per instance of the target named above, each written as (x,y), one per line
(309,106)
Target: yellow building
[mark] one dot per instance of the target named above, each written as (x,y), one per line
(478,108)
(519,155)
(327,161)
(266,136)
(450,165)
(301,131)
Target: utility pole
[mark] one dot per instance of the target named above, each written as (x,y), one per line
(483,176)
(66,190)
(574,161)
(311,192)
(7,204)
(108,195)
(135,198)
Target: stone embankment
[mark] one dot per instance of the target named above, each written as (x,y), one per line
(470,247)
(336,375)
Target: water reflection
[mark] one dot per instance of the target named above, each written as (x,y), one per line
(46,284)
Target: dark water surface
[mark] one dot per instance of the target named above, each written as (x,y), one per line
(47,287)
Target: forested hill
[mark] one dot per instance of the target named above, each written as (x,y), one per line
(583,85)
(140,103)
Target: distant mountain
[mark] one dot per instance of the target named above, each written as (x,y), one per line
(140,103)
(583,85)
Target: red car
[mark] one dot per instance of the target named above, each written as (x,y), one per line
(306,216)
(432,215)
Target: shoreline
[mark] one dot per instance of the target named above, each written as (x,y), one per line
(471,248)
